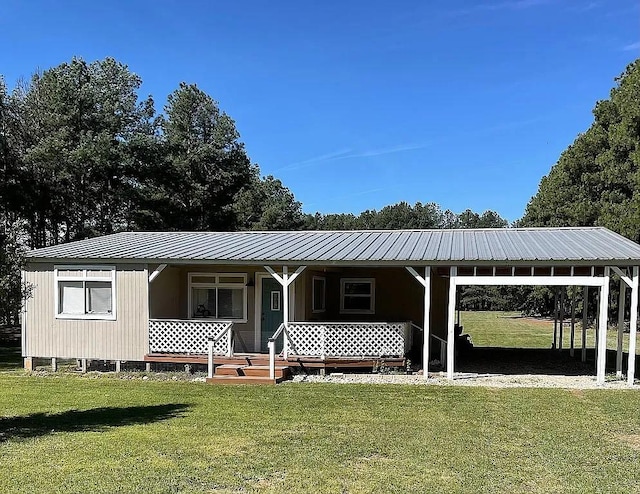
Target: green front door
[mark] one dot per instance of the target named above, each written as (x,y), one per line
(271,313)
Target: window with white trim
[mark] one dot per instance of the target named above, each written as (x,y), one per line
(85,292)
(357,296)
(318,294)
(218,295)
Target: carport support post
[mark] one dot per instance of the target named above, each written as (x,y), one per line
(602,328)
(573,321)
(561,332)
(451,314)
(426,349)
(621,301)
(633,324)
(585,306)
(555,318)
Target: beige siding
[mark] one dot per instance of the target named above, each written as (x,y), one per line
(126,338)
(168,297)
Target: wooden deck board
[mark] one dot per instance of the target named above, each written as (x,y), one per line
(262,359)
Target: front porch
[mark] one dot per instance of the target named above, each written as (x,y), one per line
(303,345)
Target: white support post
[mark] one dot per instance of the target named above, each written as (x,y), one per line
(561,333)
(602,329)
(210,359)
(426,348)
(147,367)
(54,364)
(451,314)
(585,306)
(572,343)
(157,271)
(229,342)
(596,326)
(621,304)
(426,327)
(272,359)
(83,365)
(118,366)
(633,324)
(285,310)
(555,320)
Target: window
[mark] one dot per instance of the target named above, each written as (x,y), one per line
(85,292)
(218,295)
(357,295)
(319,294)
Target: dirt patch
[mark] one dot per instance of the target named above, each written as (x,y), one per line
(632,440)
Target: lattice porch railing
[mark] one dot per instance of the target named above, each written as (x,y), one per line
(186,336)
(344,339)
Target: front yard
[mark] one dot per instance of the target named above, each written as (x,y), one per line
(65,433)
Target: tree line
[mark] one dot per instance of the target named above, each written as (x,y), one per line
(82,154)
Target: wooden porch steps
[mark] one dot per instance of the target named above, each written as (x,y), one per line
(248,374)
(243,380)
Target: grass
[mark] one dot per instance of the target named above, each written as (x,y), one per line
(75,434)
(511,330)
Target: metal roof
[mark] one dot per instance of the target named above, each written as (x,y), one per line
(593,245)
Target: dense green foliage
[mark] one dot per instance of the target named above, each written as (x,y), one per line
(596,181)
(405,216)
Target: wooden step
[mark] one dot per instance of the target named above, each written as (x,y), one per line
(242,380)
(282,371)
(229,370)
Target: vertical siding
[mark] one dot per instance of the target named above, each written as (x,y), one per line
(126,338)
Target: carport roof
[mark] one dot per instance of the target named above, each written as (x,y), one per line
(584,245)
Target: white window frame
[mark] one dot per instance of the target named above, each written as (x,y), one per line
(372,296)
(84,278)
(313,295)
(217,284)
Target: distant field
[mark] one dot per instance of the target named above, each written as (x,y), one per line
(511,330)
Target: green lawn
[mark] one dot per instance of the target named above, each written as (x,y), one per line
(103,434)
(511,330)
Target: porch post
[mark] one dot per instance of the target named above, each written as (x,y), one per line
(426,328)
(602,328)
(633,323)
(285,309)
(572,343)
(561,332)
(585,299)
(427,322)
(621,304)
(451,314)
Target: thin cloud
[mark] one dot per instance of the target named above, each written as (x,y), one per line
(632,47)
(382,151)
(350,154)
(497,6)
(312,161)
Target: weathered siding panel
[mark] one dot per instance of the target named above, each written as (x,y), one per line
(126,338)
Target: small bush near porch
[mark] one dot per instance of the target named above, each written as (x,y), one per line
(67,433)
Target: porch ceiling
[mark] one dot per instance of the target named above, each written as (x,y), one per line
(532,246)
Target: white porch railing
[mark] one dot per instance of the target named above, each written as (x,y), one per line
(443,346)
(348,339)
(342,339)
(189,336)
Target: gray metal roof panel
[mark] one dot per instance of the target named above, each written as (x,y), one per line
(481,245)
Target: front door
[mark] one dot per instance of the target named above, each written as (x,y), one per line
(271,313)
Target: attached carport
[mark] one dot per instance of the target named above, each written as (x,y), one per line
(561,257)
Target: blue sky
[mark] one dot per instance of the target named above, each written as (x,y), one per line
(358,104)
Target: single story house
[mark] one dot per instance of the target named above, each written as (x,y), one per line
(333,294)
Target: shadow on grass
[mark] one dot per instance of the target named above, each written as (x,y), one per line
(10,358)
(93,420)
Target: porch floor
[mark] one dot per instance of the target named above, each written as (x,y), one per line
(263,359)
